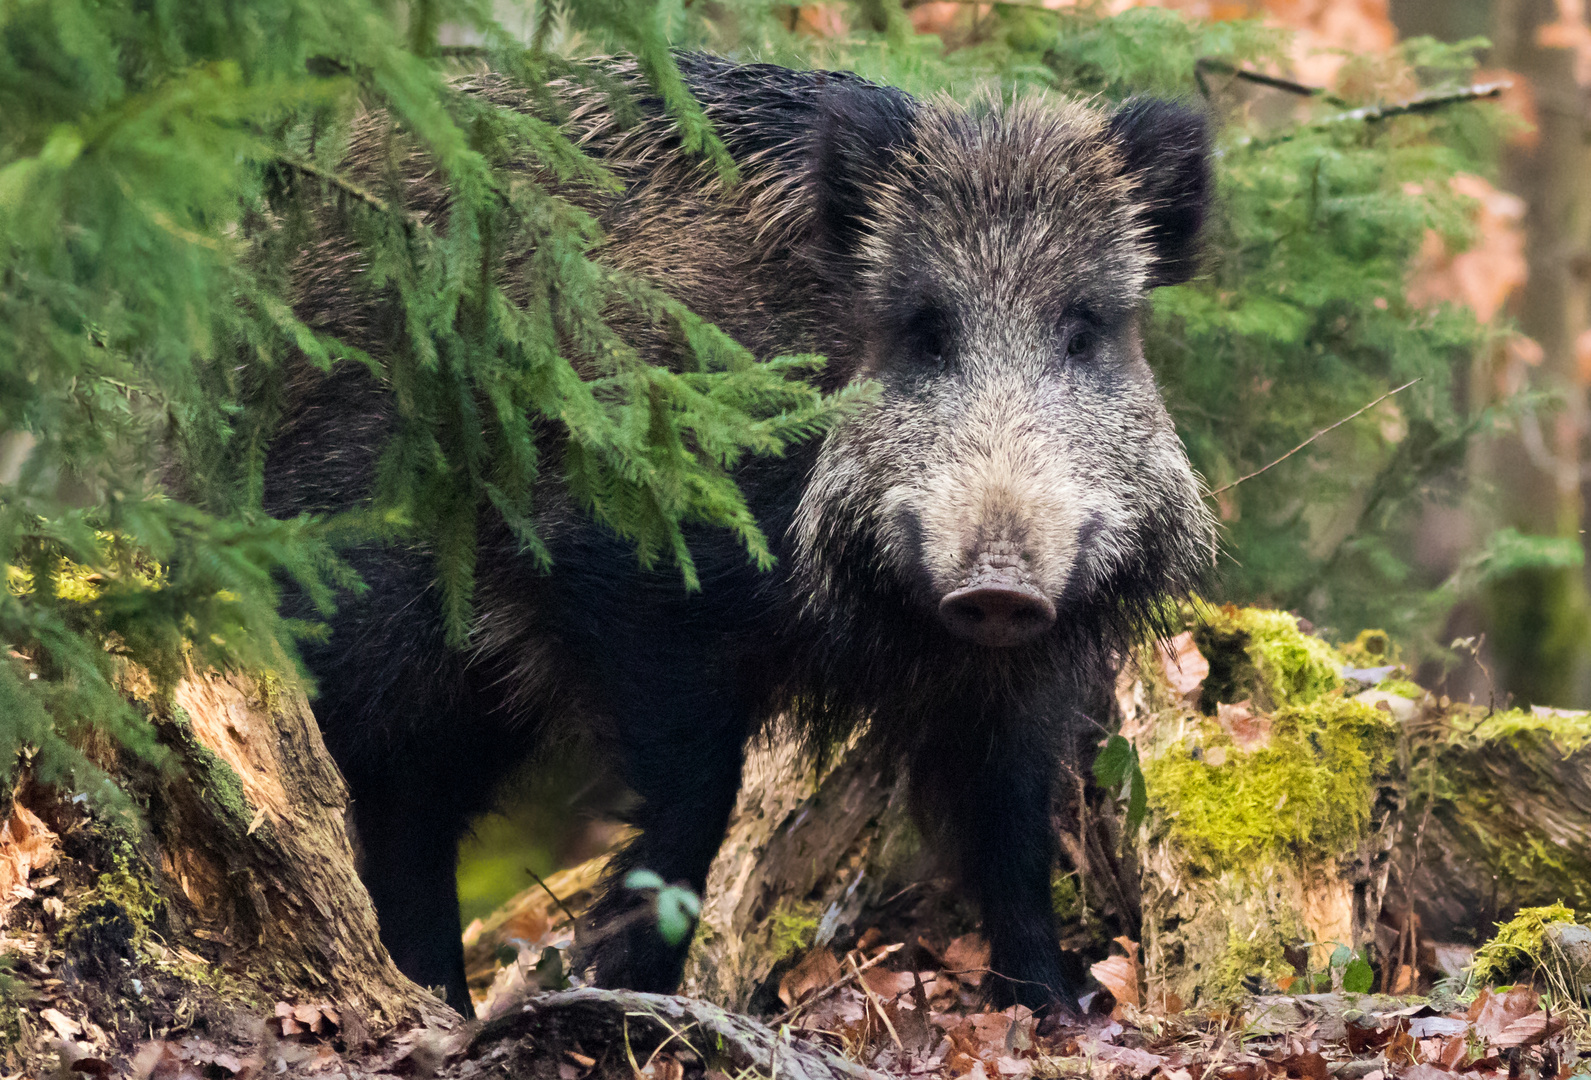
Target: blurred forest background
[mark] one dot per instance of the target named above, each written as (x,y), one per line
(1384,218)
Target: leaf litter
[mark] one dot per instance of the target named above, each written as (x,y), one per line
(934,1022)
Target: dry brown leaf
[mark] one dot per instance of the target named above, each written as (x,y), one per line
(887,984)
(1492,1013)
(1249,729)
(1119,975)
(65,1027)
(967,957)
(1528,1030)
(663,1067)
(817,969)
(1424,1071)
(26,845)
(1183,665)
(1305,1065)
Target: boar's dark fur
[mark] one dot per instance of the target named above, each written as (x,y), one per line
(959,561)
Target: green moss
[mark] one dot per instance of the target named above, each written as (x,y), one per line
(1566,730)
(791,930)
(1401,687)
(1518,945)
(1372,648)
(1066,900)
(1262,655)
(1495,825)
(1305,795)
(1262,954)
(1297,667)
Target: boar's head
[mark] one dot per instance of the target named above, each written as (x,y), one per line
(1019,465)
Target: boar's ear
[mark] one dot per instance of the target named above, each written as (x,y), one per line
(1167,147)
(859,131)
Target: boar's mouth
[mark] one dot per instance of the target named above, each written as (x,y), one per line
(997,607)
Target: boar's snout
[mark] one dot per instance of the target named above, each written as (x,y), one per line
(998,606)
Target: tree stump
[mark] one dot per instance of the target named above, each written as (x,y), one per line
(234,889)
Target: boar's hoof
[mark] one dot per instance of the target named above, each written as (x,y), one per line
(997,613)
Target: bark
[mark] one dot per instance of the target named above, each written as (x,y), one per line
(233,890)
(1499,819)
(251,829)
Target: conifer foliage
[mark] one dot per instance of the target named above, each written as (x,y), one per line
(159,162)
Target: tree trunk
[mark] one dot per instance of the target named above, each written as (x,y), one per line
(235,888)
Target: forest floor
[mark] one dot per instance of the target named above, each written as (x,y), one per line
(857,1016)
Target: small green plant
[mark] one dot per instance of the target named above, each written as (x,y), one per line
(677,907)
(1357,976)
(1117,768)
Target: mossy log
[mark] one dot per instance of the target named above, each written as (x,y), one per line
(232,888)
(1275,795)
(1499,819)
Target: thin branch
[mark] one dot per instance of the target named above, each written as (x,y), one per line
(1221,67)
(1422,103)
(561,905)
(1358,412)
(1372,113)
(878,1005)
(341,183)
(829,989)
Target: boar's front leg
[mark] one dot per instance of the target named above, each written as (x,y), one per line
(983,790)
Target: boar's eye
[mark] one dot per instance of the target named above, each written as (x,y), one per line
(926,338)
(1081,343)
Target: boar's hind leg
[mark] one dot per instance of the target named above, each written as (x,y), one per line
(682,754)
(985,792)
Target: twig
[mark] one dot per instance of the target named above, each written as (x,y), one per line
(878,1005)
(1210,63)
(561,905)
(827,990)
(1418,104)
(341,183)
(1421,103)
(1312,438)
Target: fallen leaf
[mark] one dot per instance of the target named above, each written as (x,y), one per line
(1121,975)
(1528,1030)
(1492,1013)
(1307,1065)
(26,845)
(663,1067)
(887,984)
(1250,729)
(817,969)
(1183,665)
(65,1027)
(1424,1071)
(967,957)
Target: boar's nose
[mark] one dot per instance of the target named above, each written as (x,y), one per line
(997,608)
